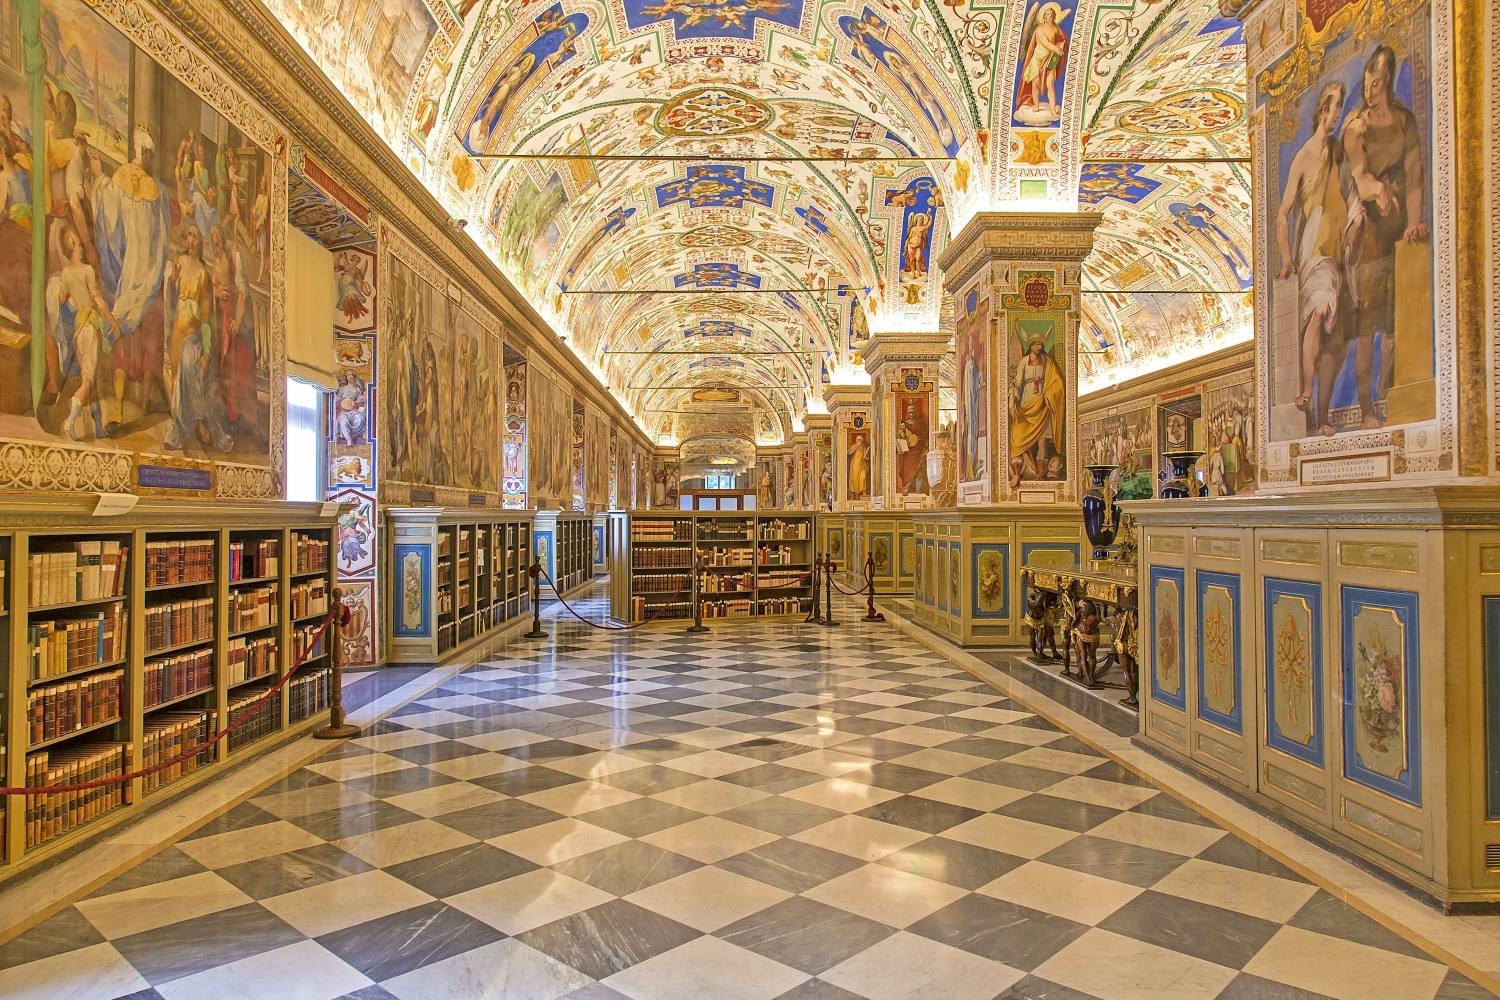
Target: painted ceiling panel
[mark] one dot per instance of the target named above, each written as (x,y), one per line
(723,198)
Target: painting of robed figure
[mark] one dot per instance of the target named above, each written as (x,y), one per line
(135,278)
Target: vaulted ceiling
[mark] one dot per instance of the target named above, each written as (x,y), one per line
(716,201)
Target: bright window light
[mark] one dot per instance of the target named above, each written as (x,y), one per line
(304,440)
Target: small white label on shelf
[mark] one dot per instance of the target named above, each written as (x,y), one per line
(330,509)
(114,504)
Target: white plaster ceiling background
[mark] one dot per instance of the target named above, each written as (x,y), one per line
(784,150)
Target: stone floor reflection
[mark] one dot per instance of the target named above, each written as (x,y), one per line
(766,811)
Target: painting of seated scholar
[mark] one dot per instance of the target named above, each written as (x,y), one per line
(135,256)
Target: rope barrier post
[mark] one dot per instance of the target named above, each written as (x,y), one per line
(814,615)
(535,572)
(338,727)
(871,615)
(697,625)
(829,568)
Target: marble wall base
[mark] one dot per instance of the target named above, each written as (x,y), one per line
(967,580)
(1330,656)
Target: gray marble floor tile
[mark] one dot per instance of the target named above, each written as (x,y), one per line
(805,934)
(652,779)
(608,938)
(1018,936)
(1457,986)
(1080,817)
(964,865)
(640,817)
(771,777)
(495,819)
(1325,914)
(1003,772)
(64,931)
(177,950)
(1166,807)
(627,867)
(1237,853)
(917,813)
(248,814)
(984,746)
(901,778)
(524,781)
(163,866)
(780,815)
(353,820)
(1122,862)
(1037,988)
(1248,987)
(595,991)
(376,992)
(395,945)
(790,865)
(1216,935)
(407,779)
(451,872)
(281,873)
(817,989)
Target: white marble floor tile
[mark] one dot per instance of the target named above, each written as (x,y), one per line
(1111,794)
(703,968)
(97,972)
(332,906)
(859,837)
(1259,895)
(477,765)
(710,796)
(579,797)
(885,895)
(557,841)
(302,971)
(1078,896)
(121,914)
(349,768)
(1344,969)
(708,898)
(223,849)
(844,794)
(438,800)
(1019,837)
(971,794)
(518,904)
(1114,967)
(504,970)
(709,839)
(1055,760)
(392,845)
(908,967)
(1158,833)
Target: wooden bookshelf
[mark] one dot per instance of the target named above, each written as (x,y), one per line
(758,558)
(565,542)
(477,584)
(122,629)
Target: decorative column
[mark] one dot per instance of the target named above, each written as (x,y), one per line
(1015,281)
(856,459)
(903,371)
(801,495)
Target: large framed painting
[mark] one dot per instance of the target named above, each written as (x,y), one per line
(1219,690)
(142,283)
(940,582)
(1382,691)
(1294,668)
(413,617)
(1167,684)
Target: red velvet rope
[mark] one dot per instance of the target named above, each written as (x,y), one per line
(120,779)
(615,628)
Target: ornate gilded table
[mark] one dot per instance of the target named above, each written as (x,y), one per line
(1080,601)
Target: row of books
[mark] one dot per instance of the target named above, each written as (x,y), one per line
(777,528)
(253,608)
(59,709)
(94,569)
(782,578)
(732,531)
(254,560)
(309,554)
(173,733)
(785,606)
(61,646)
(661,531)
(261,720)
(247,658)
(178,623)
(677,609)
(308,694)
(713,583)
(677,556)
(54,814)
(3,588)
(658,583)
(726,609)
(303,641)
(728,557)
(178,676)
(310,598)
(182,560)
(781,555)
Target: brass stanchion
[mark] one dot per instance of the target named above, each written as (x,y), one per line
(829,568)
(815,616)
(338,727)
(697,625)
(535,572)
(871,615)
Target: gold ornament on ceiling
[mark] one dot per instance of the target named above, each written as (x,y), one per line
(712,111)
(1194,112)
(714,238)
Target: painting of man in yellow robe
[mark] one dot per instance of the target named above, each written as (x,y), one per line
(1037,411)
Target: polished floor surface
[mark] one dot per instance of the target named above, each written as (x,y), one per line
(770,810)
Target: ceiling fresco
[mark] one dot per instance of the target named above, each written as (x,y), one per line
(714,198)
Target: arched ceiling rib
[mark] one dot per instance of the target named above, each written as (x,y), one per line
(722,198)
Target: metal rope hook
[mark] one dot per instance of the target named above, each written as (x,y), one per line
(535,572)
(871,615)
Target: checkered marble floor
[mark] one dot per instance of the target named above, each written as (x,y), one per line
(766,811)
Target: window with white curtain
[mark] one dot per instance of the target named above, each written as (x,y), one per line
(305,439)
